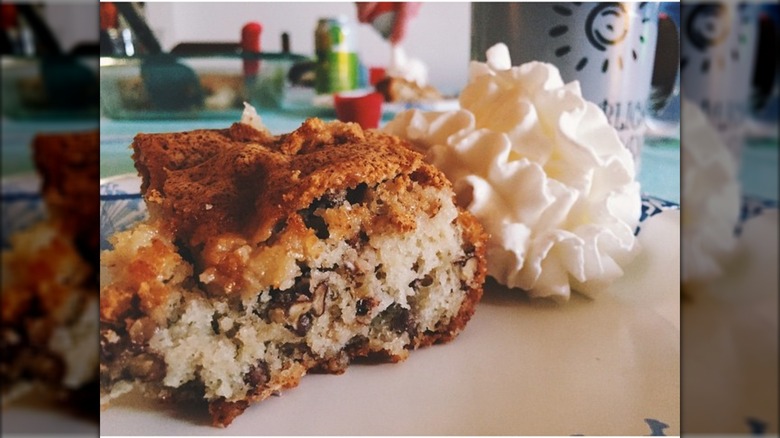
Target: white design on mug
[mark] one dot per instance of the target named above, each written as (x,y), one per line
(709,26)
(607,24)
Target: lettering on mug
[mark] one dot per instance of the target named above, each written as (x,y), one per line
(625,115)
(724,112)
(628,118)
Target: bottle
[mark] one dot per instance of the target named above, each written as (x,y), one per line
(111,43)
(337,60)
(250,44)
(382,18)
(11,43)
(18,38)
(285,43)
(115,37)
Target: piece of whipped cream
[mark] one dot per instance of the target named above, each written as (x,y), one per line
(543,171)
(250,117)
(711,192)
(402,66)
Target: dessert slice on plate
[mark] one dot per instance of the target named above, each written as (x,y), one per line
(265,258)
(49,297)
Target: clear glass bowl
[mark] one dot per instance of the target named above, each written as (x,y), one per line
(202,86)
(52,87)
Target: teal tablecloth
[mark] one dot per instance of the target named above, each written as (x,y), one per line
(758,172)
(17,136)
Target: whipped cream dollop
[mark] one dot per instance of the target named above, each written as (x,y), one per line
(711,192)
(543,171)
(250,117)
(402,66)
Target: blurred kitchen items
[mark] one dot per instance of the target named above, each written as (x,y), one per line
(123,92)
(51,87)
(170,84)
(610,48)
(42,81)
(337,59)
(718,62)
(382,18)
(250,43)
(765,99)
(44,41)
(364,109)
(16,39)
(375,75)
(664,113)
(115,38)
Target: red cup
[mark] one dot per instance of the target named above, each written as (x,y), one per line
(376,74)
(363,109)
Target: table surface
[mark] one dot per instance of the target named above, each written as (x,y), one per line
(659,175)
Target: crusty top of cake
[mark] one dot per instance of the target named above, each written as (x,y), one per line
(239,180)
(69,164)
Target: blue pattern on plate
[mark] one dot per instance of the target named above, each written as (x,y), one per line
(752,206)
(652,206)
(119,209)
(21,208)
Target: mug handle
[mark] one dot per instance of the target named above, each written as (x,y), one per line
(765,64)
(666,67)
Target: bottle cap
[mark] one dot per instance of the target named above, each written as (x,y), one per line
(9,16)
(250,43)
(108,16)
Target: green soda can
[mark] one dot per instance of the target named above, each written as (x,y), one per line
(337,60)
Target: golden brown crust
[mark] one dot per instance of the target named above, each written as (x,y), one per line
(70,166)
(207,182)
(146,280)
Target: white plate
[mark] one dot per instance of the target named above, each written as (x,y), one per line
(730,333)
(393,108)
(36,415)
(607,366)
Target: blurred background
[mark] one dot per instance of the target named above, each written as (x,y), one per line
(729,235)
(437,25)
(50,156)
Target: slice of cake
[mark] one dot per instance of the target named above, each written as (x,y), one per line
(49,317)
(265,258)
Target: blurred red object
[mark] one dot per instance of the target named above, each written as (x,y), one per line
(376,74)
(108,16)
(250,43)
(8,16)
(364,109)
(390,19)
